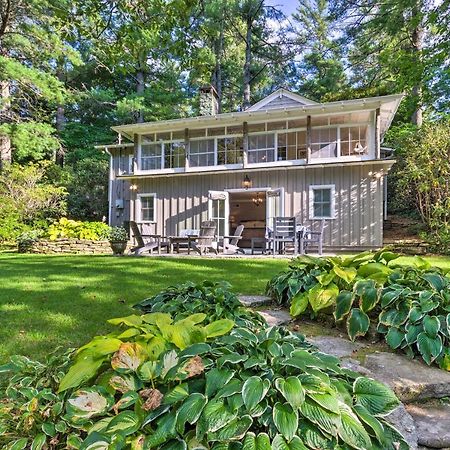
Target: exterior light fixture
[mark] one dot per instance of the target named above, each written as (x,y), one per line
(133,187)
(257,200)
(247,183)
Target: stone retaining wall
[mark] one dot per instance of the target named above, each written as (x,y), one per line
(407,246)
(67,246)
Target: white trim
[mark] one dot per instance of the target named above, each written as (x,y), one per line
(332,187)
(303,101)
(226,217)
(139,209)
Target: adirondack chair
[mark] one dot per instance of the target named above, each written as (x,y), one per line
(230,243)
(284,232)
(145,240)
(206,240)
(312,239)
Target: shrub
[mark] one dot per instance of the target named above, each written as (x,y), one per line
(216,300)
(267,389)
(66,228)
(409,305)
(27,239)
(117,234)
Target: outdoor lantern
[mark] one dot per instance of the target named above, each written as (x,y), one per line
(247,183)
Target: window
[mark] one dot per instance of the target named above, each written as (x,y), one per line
(174,155)
(151,156)
(229,150)
(354,141)
(261,148)
(146,207)
(324,143)
(292,146)
(201,153)
(321,202)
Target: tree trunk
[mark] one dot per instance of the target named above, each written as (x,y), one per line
(60,122)
(217,78)
(140,87)
(417,37)
(5,140)
(247,64)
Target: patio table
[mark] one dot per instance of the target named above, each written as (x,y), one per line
(177,240)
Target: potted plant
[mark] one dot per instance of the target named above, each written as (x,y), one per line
(118,238)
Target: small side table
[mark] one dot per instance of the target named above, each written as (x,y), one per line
(258,243)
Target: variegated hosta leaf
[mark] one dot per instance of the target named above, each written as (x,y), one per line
(234,430)
(280,443)
(326,420)
(394,337)
(170,359)
(351,431)
(89,402)
(128,358)
(322,297)
(285,419)
(357,323)
(299,303)
(430,348)
(431,325)
(377,398)
(254,390)
(344,303)
(191,409)
(215,416)
(292,390)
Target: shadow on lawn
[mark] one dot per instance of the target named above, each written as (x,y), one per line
(46,301)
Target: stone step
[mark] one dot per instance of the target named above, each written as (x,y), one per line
(276,317)
(432,424)
(411,380)
(253,301)
(336,346)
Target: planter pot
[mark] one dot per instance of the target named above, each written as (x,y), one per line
(118,247)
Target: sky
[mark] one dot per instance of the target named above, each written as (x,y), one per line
(287,6)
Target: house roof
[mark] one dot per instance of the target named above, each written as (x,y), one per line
(388,105)
(293,100)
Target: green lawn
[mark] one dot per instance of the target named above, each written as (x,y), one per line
(47,301)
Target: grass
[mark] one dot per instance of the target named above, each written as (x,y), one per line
(50,301)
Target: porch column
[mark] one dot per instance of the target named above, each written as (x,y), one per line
(137,144)
(245,144)
(308,139)
(377,134)
(186,149)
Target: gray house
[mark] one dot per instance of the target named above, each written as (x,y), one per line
(284,156)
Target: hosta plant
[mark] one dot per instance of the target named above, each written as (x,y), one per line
(216,300)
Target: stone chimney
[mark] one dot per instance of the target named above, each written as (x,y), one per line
(209,101)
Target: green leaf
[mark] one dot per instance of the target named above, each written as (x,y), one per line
(125,423)
(20,444)
(369,269)
(394,337)
(412,331)
(85,368)
(299,303)
(39,441)
(89,402)
(415,314)
(347,274)
(176,394)
(249,442)
(370,421)
(128,358)
(374,396)
(234,430)
(389,296)
(215,416)
(263,442)
(279,443)
(131,321)
(429,348)
(431,325)
(219,328)
(351,430)
(435,280)
(321,298)
(343,305)
(327,401)
(326,420)
(357,323)
(369,298)
(215,379)
(253,391)
(285,419)
(191,408)
(231,358)
(292,390)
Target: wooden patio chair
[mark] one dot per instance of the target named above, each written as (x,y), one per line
(206,240)
(230,243)
(284,232)
(145,240)
(312,239)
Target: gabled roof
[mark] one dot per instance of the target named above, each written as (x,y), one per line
(281,98)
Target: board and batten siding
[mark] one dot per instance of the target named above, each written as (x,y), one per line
(182,200)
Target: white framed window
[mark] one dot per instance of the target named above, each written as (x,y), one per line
(261,148)
(202,152)
(146,207)
(322,201)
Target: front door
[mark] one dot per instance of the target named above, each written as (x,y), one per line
(274,205)
(219,211)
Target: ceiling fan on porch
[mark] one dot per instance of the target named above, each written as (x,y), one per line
(257,200)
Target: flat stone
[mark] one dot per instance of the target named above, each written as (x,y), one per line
(336,346)
(404,423)
(410,379)
(432,423)
(255,300)
(276,317)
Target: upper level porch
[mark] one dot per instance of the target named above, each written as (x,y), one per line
(309,134)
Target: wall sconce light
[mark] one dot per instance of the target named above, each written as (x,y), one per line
(377,175)
(133,187)
(247,183)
